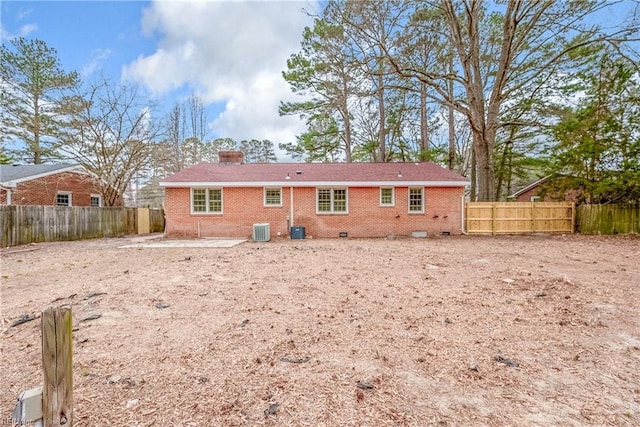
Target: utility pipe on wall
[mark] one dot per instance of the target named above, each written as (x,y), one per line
(290,208)
(8,190)
(462,230)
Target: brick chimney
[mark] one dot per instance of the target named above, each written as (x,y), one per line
(230,157)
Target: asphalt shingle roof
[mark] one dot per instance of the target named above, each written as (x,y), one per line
(299,174)
(10,173)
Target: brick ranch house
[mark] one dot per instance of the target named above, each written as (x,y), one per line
(49,185)
(541,191)
(225,199)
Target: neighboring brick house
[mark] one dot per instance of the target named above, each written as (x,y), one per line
(49,185)
(541,191)
(361,199)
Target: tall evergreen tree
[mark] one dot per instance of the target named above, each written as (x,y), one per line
(256,151)
(598,145)
(32,98)
(324,74)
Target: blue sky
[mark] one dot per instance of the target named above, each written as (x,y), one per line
(88,35)
(230,53)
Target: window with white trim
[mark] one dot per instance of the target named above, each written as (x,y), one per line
(416,199)
(206,200)
(273,196)
(387,197)
(331,200)
(96,200)
(63,198)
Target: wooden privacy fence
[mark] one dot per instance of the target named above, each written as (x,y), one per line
(22,225)
(608,219)
(519,217)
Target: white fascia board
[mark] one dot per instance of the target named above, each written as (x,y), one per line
(318,184)
(74,168)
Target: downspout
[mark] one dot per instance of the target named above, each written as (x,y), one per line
(290,208)
(462,230)
(8,188)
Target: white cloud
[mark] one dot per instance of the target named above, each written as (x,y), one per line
(23,13)
(228,52)
(27,29)
(24,31)
(97,59)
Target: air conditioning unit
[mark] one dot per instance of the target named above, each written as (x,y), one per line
(261,232)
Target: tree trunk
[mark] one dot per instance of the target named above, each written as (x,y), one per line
(484,169)
(509,169)
(452,134)
(452,140)
(382,155)
(474,176)
(37,157)
(504,171)
(500,176)
(347,123)
(424,124)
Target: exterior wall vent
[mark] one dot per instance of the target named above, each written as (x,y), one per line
(261,232)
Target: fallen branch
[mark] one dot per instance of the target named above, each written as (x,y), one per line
(91,317)
(296,360)
(20,250)
(510,363)
(23,319)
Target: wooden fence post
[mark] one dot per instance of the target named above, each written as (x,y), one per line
(493,219)
(57,364)
(533,217)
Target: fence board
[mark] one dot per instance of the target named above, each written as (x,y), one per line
(608,219)
(22,225)
(519,217)
(156,220)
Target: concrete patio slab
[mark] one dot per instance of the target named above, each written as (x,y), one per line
(194,243)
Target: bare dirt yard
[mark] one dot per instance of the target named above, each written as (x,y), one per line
(529,330)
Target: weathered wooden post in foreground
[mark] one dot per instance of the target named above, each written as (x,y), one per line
(52,404)
(57,366)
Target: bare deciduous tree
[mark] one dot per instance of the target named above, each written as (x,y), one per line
(508,52)
(187,129)
(113,135)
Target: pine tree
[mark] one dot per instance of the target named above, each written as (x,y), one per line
(32,98)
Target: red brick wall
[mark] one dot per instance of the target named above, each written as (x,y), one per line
(242,207)
(526,196)
(570,195)
(43,191)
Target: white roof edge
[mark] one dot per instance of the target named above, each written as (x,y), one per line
(318,184)
(530,186)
